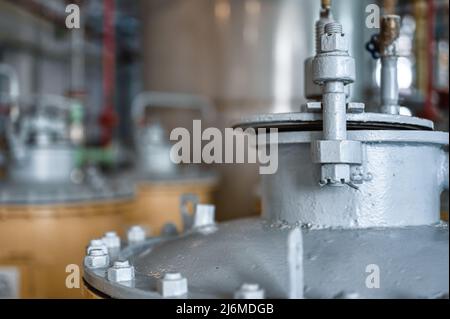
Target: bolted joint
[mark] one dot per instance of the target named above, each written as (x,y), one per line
(111,240)
(336,152)
(333,68)
(136,234)
(96,258)
(97,244)
(172,285)
(312,90)
(249,291)
(121,271)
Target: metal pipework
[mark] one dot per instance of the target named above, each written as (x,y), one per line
(334,111)
(384,46)
(333,69)
(168,100)
(390,31)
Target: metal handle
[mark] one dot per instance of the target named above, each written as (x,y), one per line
(151,99)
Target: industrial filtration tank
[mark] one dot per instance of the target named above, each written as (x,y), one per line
(351,212)
(50,206)
(248,57)
(162,184)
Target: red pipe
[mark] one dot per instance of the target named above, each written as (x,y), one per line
(430,111)
(108,118)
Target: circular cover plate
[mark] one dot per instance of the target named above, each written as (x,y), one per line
(302,121)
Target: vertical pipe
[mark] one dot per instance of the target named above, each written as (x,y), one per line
(334,111)
(389,85)
(389,34)
(107,118)
(77,61)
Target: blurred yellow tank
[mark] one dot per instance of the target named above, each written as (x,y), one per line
(38,242)
(51,206)
(158,202)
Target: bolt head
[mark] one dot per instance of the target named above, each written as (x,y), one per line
(172,285)
(111,240)
(96,259)
(336,152)
(121,271)
(136,234)
(97,244)
(333,42)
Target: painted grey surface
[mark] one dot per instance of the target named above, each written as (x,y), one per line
(413,262)
(296,120)
(407,180)
(391,221)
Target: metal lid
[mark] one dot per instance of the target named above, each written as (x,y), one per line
(216,264)
(303,121)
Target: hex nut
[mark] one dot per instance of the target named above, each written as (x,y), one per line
(249,291)
(121,271)
(97,244)
(96,259)
(136,234)
(329,67)
(336,152)
(333,42)
(312,90)
(111,240)
(172,285)
(335,174)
